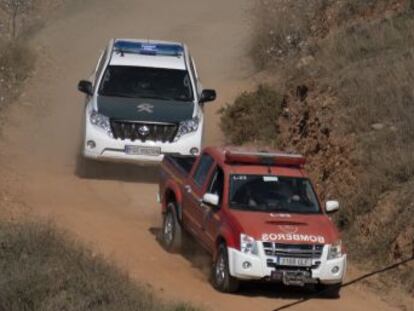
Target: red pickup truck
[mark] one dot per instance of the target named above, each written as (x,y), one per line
(256,213)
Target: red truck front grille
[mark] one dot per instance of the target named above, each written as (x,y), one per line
(313,251)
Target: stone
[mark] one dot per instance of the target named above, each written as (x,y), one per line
(377,126)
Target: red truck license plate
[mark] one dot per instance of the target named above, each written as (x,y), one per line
(294,262)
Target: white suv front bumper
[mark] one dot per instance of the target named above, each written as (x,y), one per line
(251,267)
(107,148)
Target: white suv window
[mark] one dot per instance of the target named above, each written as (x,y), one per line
(194,73)
(146,82)
(100,67)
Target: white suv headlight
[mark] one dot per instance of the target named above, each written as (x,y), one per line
(187,126)
(101,121)
(335,250)
(248,245)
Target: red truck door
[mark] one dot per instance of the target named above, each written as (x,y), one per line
(212,214)
(193,192)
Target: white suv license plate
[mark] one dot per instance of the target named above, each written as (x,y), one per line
(295,262)
(139,150)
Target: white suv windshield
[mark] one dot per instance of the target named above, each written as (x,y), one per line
(273,194)
(145,82)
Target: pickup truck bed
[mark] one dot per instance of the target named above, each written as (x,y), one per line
(182,163)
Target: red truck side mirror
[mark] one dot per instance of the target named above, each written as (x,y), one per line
(211,199)
(332,206)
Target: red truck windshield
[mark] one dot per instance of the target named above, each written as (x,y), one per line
(273,194)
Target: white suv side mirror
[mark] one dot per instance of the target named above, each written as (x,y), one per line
(332,206)
(212,199)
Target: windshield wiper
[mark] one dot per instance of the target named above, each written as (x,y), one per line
(247,207)
(126,95)
(156,97)
(181,99)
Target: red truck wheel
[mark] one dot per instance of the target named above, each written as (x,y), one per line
(221,278)
(171,230)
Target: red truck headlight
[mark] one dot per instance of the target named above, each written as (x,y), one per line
(335,250)
(248,245)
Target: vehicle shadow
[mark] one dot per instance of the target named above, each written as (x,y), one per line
(127,172)
(200,259)
(274,290)
(192,252)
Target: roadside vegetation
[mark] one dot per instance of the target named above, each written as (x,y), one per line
(264,104)
(348,68)
(16,58)
(19,19)
(42,268)
(16,65)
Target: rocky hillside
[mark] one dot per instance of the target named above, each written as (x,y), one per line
(346,71)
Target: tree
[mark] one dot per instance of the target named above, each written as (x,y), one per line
(14,8)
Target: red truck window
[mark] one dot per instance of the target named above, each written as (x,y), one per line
(273,194)
(201,173)
(216,185)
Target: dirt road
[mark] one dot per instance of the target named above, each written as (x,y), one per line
(116,213)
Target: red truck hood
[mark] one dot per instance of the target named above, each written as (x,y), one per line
(287,228)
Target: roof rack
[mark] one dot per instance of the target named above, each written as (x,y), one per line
(148,48)
(264,158)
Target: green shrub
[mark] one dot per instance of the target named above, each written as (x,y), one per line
(252,117)
(42,269)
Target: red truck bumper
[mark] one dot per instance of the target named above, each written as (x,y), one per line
(256,267)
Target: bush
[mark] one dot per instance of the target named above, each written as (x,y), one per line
(357,59)
(16,61)
(252,117)
(16,65)
(13,9)
(376,102)
(280,28)
(285,29)
(42,269)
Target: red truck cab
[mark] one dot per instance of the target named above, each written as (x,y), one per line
(256,213)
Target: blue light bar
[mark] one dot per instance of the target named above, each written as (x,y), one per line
(143,48)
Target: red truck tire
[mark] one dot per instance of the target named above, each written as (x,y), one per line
(221,278)
(172,234)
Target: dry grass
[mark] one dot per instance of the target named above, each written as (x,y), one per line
(16,58)
(373,73)
(371,67)
(281,28)
(31,15)
(42,269)
(16,65)
(252,117)
(361,53)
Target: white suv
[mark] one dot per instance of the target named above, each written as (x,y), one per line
(144,100)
